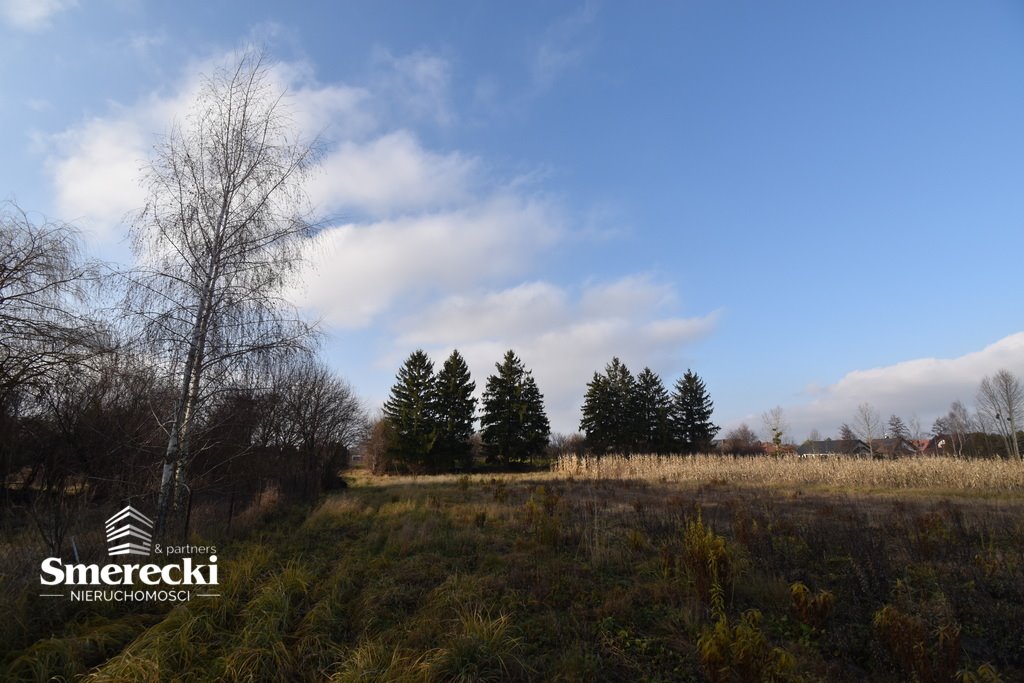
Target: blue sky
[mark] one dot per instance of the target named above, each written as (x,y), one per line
(810,204)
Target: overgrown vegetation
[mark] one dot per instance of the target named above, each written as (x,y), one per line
(565,577)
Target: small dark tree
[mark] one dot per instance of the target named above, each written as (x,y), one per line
(846,433)
(410,412)
(455,408)
(652,402)
(513,424)
(691,410)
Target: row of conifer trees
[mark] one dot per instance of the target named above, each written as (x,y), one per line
(627,414)
(429,417)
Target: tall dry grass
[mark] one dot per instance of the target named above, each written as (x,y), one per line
(936,474)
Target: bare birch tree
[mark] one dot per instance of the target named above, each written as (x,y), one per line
(867,424)
(1001,400)
(220,237)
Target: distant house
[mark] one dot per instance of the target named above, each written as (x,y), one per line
(896,447)
(834,447)
(769,448)
(972,445)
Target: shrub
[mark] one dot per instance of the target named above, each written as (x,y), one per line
(812,610)
(741,653)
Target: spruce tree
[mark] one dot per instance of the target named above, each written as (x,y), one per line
(609,414)
(652,403)
(594,418)
(897,428)
(514,426)
(411,412)
(455,407)
(536,427)
(690,413)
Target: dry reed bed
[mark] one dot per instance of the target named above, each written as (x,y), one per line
(934,473)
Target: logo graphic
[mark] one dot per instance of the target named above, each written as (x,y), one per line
(129,532)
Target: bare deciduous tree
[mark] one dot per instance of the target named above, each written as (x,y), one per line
(42,282)
(914,426)
(775,424)
(319,407)
(959,421)
(867,424)
(741,440)
(220,237)
(44,331)
(1001,400)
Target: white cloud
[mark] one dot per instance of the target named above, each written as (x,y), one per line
(924,386)
(332,111)
(563,335)
(625,295)
(391,174)
(97,179)
(359,271)
(562,46)
(418,83)
(528,309)
(32,15)
(96,166)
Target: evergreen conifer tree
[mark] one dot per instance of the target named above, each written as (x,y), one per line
(897,428)
(411,412)
(594,416)
(514,426)
(690,413)
(609,417)
(455,409)
(536,427)
(652,403)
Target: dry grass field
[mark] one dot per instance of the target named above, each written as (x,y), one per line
(929,475)
(672,569)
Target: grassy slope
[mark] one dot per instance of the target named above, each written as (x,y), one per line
(555,577)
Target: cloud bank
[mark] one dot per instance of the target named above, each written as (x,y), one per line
(923,386)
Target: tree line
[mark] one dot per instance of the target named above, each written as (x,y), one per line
(992,429)
(428,418)
(626,414)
